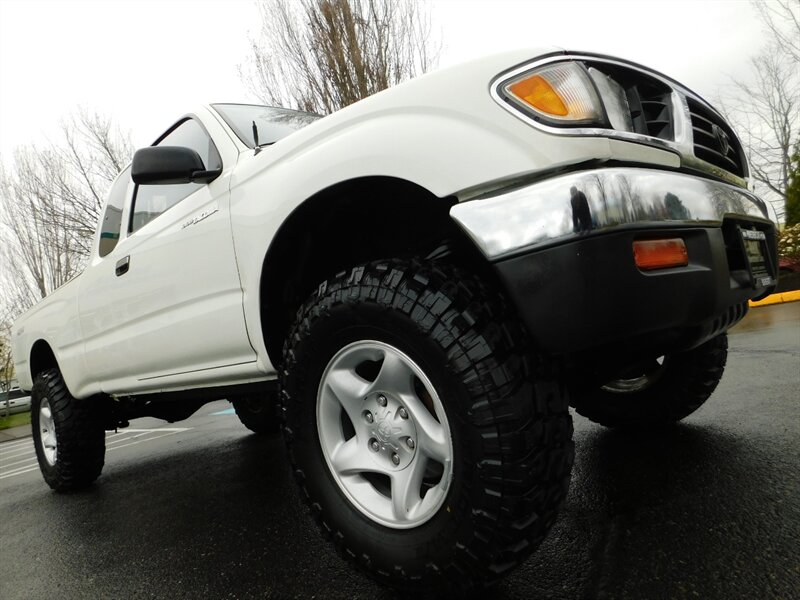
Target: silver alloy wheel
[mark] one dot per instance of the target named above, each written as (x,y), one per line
(637,384)
(47,432)
(386,440)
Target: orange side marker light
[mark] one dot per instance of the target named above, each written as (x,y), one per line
(660,254)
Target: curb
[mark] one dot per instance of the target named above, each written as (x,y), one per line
(15,433)
(778,298)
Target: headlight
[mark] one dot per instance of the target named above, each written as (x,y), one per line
(561,94)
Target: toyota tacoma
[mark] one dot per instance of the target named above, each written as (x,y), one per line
(414,289)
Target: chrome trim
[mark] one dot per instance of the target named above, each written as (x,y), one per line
(603,200)
(683,143)
(684,135)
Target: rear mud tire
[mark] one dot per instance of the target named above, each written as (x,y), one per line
(258,413)
(77,428)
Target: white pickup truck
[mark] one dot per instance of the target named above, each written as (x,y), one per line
(414,289)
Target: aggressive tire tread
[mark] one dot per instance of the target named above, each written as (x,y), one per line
(262,421)
(517,411)
(79,431)
(688,381)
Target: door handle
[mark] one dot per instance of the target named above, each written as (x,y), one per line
(123,264)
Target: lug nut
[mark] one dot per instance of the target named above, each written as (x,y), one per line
(403,413)
(368,416)
(410,443)
(381,399)
(395,458)
(374,445)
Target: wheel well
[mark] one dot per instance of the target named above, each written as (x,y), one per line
(42,358)
(348,224)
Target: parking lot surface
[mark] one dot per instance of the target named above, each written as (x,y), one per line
(203,509)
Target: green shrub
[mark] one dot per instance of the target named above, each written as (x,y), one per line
(789,242)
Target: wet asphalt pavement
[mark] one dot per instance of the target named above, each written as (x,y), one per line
(203,509)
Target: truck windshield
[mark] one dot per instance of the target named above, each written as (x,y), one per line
(268,124)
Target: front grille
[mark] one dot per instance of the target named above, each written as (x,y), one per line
(714,140)
(650,105)
(656,111)
(649,100)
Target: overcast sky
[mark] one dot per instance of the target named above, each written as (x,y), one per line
(147,62)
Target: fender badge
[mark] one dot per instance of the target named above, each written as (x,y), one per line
(203,215)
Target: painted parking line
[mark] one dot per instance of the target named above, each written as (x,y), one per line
(129,434)
(175,429)
(21,451)
(22,458)
(7,447)
(150,439)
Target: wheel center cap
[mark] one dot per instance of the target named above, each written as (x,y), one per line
(384,430)
(392,434)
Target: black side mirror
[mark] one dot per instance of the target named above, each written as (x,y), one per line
(170,164)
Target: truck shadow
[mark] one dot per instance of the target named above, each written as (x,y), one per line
(681,512)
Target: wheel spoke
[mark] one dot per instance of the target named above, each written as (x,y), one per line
(432,439)
(395,376)
(351,457)
(47,432)
(349,391)
(406,490)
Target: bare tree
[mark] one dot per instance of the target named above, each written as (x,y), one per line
(765,107)
(93,153)
(50,202)
(6,366)
(40,253)
(782,20)
(767,112)
(321,55)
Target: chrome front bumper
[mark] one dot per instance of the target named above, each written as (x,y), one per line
(578,204)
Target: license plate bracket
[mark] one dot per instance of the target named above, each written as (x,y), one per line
(754,245)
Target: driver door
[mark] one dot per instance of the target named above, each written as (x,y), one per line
(163,307)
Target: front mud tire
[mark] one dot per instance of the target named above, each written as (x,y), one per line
(507,417)
(68,434)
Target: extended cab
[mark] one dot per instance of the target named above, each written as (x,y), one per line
(415,288)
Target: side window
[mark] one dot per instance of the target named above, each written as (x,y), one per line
(152,200)
(112,218)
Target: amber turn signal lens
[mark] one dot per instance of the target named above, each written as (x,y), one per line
(660,254)
(540,95)
(560,92)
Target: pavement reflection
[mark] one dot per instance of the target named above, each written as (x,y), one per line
(767,317)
